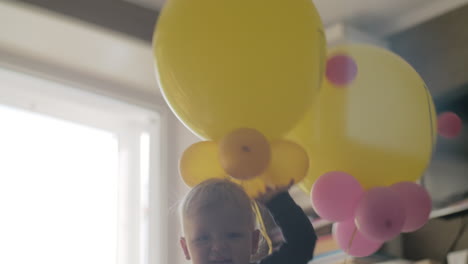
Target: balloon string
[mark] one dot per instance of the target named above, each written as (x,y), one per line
(350,244)
(431,122)
(263,228)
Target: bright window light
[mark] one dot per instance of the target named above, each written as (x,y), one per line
(80,176)
(58,191)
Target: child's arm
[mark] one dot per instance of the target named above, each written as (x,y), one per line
(297,230)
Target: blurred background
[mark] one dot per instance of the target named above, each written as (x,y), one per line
(77,86)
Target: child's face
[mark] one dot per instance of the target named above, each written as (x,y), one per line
(219,235)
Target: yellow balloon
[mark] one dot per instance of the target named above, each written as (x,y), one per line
(380,128)
(200,162)
(289,163)
(253,187)
(224,65)
(244,153)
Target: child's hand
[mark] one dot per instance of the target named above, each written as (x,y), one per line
(271,192)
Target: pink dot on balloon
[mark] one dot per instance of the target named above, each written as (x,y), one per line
(335,196)
(341,70)
(351,241)
(417,204)
(380,214)
(449,125)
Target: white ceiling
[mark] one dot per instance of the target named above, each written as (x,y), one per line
(377,17)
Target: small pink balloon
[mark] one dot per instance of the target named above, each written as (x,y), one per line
(335,196)
(380,214)
(449,125)
(417,203)
(341,70)
(351,241)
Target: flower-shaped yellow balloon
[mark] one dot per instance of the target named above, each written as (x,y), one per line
(247,158)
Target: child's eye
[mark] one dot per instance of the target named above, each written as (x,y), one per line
(234,235)
(202,238)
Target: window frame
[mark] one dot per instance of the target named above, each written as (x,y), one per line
(127,121)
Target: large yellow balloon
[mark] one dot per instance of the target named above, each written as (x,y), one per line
(380,128)
(227,64)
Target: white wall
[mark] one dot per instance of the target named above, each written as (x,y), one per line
(179,142)
(75,45)
(55,47)
(341,33)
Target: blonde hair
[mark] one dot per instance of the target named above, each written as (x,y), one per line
(215,193)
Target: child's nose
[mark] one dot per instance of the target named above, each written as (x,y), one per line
(219,251)
(219,245)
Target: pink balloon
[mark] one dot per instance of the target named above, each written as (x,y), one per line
(335,196)
(449,125)
(380,214)
(341,70)
(417,203)
(352,241)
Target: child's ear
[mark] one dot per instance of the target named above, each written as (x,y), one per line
(255,240)
(183,245)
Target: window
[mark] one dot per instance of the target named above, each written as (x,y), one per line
(76,181)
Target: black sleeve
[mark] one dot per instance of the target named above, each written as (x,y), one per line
(298,233)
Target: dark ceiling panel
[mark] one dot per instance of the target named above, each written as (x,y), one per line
(116,15)
(437,49)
